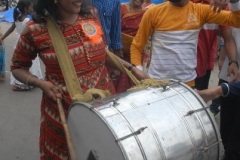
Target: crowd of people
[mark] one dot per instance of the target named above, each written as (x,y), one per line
(150,40)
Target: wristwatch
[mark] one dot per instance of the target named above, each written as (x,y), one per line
(230,62)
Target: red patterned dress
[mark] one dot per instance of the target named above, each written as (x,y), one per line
(87,49)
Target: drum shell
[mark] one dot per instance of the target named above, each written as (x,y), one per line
(108,126)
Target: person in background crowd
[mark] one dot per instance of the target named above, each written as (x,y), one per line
(230,105)
(224,90)
(2,59)
(20,16)
(154,1)
(87,50)
(229,94)
(109,13)
(207,49)
(147,4)
(215,105)
(174,38)
(131,15)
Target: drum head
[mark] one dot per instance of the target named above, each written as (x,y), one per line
(89,133)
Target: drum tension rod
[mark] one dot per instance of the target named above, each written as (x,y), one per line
(205,149)
(139,131)
(197,110)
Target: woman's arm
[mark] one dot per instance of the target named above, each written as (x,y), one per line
(24,76)
(9,31)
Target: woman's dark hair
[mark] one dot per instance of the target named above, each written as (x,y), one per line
(19,9)
(43,8)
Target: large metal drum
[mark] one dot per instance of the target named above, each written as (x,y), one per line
(167,123)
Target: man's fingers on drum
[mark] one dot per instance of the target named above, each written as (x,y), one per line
(218,5)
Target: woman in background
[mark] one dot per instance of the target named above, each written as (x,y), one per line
(21,17)
(147,4)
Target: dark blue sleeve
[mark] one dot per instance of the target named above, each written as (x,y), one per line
(234,89)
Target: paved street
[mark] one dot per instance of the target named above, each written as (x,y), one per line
(20,114)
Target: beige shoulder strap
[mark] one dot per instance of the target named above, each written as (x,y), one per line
(67,67)
(64,59)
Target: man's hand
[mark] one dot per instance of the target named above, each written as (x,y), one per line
(233,69)
(140,75)
(218,5)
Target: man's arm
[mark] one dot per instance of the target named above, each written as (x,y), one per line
(224,17)
(225,90)
(145,30)
(231,50)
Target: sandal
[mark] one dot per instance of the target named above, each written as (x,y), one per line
(17,88)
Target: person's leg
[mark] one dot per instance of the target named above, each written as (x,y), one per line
(198,82)
(7,5)
(201,83)
(206,79)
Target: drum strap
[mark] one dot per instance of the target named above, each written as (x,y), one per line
(67,67)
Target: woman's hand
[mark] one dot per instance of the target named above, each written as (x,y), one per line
(50,90)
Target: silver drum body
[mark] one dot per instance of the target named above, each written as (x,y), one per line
(169,123)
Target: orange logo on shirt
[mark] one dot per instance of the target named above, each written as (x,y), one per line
(192,18)
(92,30)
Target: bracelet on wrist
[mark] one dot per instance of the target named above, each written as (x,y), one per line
(230,62)
(28,78)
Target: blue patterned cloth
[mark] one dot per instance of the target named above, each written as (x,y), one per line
(2,62)
(109,14)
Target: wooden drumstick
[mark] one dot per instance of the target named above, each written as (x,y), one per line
(66,130)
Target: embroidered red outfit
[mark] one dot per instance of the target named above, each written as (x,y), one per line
(87,49)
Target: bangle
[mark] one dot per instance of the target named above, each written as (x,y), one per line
(230,62)
(28,78)
(131,67)
(225,89)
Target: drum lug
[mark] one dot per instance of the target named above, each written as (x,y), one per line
(205,149)
(115,103)
(165,88)
(139,131)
